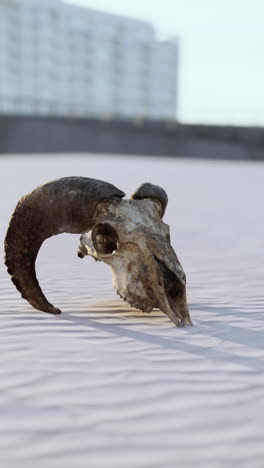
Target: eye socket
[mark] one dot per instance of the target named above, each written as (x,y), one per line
(105,238)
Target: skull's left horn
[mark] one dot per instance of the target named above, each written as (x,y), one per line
(154,192)
(63,205)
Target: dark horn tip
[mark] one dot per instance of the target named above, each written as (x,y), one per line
(56,311)
(50,310)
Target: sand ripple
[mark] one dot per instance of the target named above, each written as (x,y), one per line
(104,385)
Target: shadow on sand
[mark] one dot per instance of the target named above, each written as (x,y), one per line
(183,337)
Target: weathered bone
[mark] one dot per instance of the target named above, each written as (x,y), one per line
(129,235)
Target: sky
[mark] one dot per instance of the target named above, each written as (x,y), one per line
(221,76)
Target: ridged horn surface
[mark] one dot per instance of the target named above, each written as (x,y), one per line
(155,192)
(63,205)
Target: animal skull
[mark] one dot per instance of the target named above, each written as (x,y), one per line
(131,237)
(128,235)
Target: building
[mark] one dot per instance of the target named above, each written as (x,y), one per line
(59,59)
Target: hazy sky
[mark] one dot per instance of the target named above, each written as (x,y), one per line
(222,53)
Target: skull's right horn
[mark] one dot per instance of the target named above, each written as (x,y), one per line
(63,205)
(155,192)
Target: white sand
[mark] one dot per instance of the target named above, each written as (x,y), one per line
(106,386)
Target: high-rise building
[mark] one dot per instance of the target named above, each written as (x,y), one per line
(60,59)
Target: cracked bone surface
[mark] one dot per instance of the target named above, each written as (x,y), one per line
(130,236)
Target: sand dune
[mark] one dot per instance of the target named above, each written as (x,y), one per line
(104,385)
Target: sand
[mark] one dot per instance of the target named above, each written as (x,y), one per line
(104,385)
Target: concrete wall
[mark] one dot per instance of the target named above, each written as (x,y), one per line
(44,135)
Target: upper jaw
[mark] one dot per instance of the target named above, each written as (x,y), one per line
(172,299)
(171,289)
(177,313)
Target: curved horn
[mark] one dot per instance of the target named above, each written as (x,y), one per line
(148,190)
(63,205)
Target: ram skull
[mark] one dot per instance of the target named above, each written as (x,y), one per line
(129,235)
